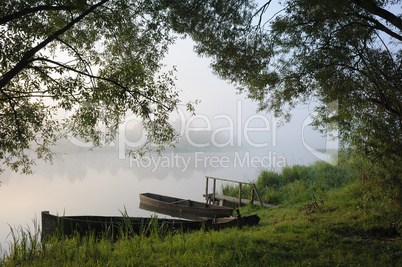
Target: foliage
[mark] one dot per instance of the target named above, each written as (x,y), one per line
(345,54)
(96,61)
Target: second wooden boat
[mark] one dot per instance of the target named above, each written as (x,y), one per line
(182,208)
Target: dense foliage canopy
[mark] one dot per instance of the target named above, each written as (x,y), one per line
(345,52)
(96,60)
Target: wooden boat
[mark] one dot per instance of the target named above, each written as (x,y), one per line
(109,225)
(112,226)
(182,208)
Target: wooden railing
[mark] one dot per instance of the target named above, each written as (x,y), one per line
(253,190)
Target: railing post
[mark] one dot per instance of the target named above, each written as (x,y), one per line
(255,188)
(206,189)
(213,193)
(239,195)
(252,195)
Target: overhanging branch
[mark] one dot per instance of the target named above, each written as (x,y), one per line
(6,78)
(387,108)
(371,7)
(379,26)
(31,10)
(125,88)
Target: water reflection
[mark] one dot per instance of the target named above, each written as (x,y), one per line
(96,183)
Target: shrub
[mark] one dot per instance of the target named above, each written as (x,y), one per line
(268,179)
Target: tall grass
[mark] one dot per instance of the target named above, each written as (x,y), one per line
(353,182)
(301,183)
(298,183)
(83,250)
(285,236)
(25,242)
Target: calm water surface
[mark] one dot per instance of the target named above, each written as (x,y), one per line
(98,183)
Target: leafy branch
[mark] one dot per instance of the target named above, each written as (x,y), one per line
(6,78)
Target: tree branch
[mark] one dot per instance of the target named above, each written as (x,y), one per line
(379,26)
(6,78)
(103,79)
(260,11)
(55,81)
(15,114)
(387,108)
(88,66)
(31,10)
(372,7)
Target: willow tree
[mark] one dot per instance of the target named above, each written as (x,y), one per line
(346,52)
(97,60)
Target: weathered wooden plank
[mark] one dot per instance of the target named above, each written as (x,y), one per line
(239,195)
(243,201)
(213,192)
(206,191)
(227,180)
(255,188)
(182,208)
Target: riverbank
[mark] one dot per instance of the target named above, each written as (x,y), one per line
(324,233)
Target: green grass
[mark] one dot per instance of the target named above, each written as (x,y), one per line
(329,233)
(325,217)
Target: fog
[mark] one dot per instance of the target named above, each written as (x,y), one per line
(226,138)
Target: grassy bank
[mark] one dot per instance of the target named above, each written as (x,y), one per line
(317,222)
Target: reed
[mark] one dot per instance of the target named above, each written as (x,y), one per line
(25,242)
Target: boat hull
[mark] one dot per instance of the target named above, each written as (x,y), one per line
(113,226)
(182,208)
(109,225)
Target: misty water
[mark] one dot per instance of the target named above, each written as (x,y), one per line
(101,182)
(226,139)
(232,141)
(97,183)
